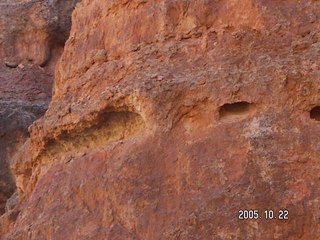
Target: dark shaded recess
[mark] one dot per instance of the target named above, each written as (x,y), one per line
(237,108)
(315,113)
(109,127)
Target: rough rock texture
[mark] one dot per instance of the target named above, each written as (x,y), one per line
(32,36)
(169,117)
(33,31)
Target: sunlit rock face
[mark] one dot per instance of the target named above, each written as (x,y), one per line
(32,36)
(168,117)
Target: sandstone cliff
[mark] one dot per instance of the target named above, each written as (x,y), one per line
(170,116)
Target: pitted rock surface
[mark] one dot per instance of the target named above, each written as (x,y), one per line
(168,117)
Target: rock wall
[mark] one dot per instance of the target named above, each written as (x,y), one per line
(168,117)
(32,37)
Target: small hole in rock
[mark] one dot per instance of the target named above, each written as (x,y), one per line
(236,109)
(315,113)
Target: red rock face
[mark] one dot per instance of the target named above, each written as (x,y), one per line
(32,35)
(168,117)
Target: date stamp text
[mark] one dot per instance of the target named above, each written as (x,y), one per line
(264,214)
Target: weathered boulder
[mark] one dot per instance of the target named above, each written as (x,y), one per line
(168,117)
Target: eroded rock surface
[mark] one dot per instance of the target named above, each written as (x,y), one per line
(32,36)
(169,117)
